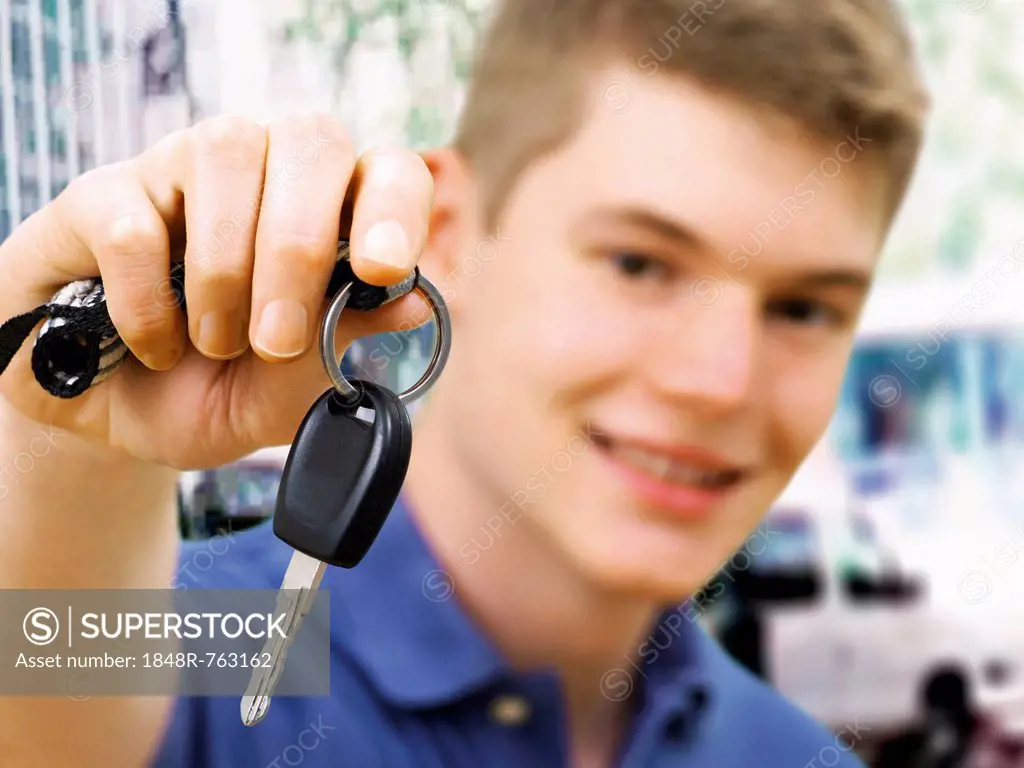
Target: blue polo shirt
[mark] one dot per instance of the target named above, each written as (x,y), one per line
(415,684)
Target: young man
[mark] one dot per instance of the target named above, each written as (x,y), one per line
(655,230)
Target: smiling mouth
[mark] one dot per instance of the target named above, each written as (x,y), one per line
(672,466)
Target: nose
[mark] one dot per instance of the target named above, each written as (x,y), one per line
(705,353)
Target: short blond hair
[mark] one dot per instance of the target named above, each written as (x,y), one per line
(834,67)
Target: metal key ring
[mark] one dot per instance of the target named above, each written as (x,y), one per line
(442,344)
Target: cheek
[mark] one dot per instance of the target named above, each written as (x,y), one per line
(538,314)
(802,401)
(578,344)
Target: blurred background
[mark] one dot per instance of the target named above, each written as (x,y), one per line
(881,593)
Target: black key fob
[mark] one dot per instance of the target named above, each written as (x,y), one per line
(343,474)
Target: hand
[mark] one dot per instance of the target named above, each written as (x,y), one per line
(262,208)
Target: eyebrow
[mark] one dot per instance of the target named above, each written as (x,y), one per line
(859,279)
(659,225)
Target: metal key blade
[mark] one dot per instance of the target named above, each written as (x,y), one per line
(298,592)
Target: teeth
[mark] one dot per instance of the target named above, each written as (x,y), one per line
(665,468)
(661,466)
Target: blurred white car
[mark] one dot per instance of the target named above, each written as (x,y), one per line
(862,649)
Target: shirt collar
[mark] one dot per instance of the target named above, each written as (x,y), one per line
(397,616)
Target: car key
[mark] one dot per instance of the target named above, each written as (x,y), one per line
(342,476)
(340,481)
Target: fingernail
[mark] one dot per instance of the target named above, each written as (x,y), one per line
(387,243)
(221,337)
(282,330)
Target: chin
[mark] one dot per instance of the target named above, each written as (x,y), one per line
(631,560)
(636,582)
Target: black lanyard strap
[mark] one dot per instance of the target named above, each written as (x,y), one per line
(78,346)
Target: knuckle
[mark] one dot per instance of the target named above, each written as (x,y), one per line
(303,252)
(400,173)
(308,139)
(387,156)
(317,128)
(74,188)
(328,131)
(236,141)
(104,177)
(135,235)
(220,272)
(172,142)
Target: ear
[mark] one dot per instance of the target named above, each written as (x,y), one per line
(454,216)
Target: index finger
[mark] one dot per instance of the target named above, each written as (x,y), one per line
(104,224)
(56,244)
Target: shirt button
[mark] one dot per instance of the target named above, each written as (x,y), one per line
(675,728)
(510,710)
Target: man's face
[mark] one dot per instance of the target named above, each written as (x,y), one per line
(659,337)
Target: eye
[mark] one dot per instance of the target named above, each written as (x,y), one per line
(640,265)
(804,312)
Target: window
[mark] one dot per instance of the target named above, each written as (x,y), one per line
(86,157)
(28,140)
(79,49)
(29,190)
(863,530)
(793,545)
(51,59)
(21,52)
(1002,382)
(106,44)
(904,396)
(248,491)
(58,143)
